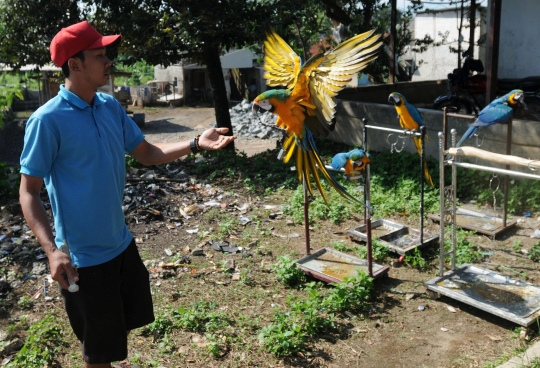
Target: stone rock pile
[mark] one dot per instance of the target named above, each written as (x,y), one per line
(248,124)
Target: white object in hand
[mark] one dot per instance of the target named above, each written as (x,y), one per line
(73,287)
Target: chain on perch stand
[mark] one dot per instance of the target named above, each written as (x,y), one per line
(501,295)
(398,237)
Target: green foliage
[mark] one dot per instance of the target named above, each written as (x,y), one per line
(284,336)
(523,195)
(200,317)
(466,252)
(141,72)
(25,302)
(416,260)
(350,294)
(131,162)
(379,251)
(287,272)
(261,173)
(8,92)
(9,182)
(338,210)
(308,315)
(162,324)
(534,252)
(41,346)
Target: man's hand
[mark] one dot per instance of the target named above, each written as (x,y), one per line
(61,268)
(213,139)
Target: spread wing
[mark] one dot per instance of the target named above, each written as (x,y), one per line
(281,63)
(329,73)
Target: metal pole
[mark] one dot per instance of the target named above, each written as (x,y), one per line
(454,203)
(393,21)
(422,182)
(444,127)
(507,178)
(368,223)
(306,215)
(364,138)
(367,201)
(492,59)
(442,141)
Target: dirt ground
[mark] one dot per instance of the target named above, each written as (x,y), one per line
(179,123)
(404,327)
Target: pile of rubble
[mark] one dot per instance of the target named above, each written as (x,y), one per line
(248,124)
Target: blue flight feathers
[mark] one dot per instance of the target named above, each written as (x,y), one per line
(498,111)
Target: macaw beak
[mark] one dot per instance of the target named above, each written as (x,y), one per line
(394,99)
(256,108)
(520,97)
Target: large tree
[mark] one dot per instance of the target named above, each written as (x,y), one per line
(164,32)
(28,26)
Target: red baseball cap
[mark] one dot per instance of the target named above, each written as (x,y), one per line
(75,38)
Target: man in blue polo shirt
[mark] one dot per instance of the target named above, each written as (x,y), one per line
(76,143)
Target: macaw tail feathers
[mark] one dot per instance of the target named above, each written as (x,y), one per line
(469,133)
(417,143)
(427,176)
(308,163)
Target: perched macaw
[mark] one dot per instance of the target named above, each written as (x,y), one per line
(410,119)
(306,105)
(353,161)
(500,110)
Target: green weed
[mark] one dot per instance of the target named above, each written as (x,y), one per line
(351,294)
(41,346)
(379,251)
(416,260)
(25,302)
(466,252)
(286,271)
(308,315)
(534,252)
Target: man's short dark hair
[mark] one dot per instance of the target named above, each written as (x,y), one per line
(65,67)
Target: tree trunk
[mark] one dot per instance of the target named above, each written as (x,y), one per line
(219,93)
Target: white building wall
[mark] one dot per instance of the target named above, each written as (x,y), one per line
(519,47)
(437,62)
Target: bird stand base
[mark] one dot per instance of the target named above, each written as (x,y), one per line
(478,222)
(329,265)
(500,295)
(397,237)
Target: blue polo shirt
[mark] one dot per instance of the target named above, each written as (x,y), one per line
(79,150)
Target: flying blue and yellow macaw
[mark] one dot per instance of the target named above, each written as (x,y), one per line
(500,110)
(307,105)
(353,161)
(410,119)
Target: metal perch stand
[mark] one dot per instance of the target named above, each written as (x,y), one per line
(411,133)
(490,291)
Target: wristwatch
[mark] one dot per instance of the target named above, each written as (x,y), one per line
(194,144)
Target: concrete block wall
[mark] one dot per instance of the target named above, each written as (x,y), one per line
(349,130)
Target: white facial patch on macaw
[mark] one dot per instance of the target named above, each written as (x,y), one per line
(265,104)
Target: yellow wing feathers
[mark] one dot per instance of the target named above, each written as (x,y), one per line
(317,82)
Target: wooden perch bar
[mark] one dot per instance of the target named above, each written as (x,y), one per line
(493,157)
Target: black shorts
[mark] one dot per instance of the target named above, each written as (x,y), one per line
(113,298)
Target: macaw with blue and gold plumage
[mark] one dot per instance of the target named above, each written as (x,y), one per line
(307,104)
(500,110)
(410,119)
(353,161)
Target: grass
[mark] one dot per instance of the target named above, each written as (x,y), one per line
(274,315)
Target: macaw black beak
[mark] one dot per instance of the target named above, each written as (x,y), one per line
(256,108)
(521,101)
(393,99)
